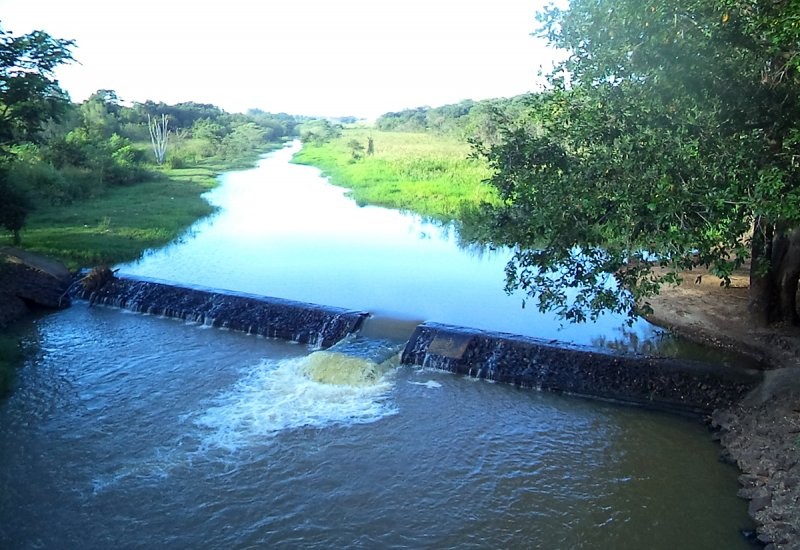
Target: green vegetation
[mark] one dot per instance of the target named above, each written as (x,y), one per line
(421,172)
(318,131)
(81,182)
(85,183)
(468,120)
(668,140)
(121,223)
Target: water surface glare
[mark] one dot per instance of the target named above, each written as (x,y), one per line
(131,431)
(284,231)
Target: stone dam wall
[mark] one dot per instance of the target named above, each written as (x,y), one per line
(300,322)
(657,382)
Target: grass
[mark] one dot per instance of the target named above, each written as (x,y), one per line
(123,222)
(428,174)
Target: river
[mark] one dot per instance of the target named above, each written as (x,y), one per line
(136,431)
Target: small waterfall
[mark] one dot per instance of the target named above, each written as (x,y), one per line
(357,357)
(660,382)
(354,361)
(339,369)
(320,326)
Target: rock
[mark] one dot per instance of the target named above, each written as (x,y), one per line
(11,307)
(764,539)
(758,503)
(726,458)
(29,279)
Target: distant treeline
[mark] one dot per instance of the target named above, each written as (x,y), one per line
(466,119)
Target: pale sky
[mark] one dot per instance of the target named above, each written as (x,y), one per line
(312,57)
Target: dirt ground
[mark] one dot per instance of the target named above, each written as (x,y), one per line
(761,435)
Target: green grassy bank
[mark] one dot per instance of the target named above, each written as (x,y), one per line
(420,172)
(122,222)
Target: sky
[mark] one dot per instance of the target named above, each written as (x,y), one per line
(311,57)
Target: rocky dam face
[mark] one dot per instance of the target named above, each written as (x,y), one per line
(663,383)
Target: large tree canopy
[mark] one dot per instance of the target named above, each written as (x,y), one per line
(29,97)
(669,140)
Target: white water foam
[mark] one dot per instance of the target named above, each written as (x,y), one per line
(277,396)
(430,384)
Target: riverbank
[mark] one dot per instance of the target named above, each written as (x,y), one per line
(761,435)
(117,226)
(428,174)
(125,221)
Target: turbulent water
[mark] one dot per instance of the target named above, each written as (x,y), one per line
(135,431)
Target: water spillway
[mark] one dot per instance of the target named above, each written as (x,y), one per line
(353,358)
(304,323)
(666,383)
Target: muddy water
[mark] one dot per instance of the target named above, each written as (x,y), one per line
(138,432)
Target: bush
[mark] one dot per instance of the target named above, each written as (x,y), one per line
(81,183)
(40,180)
(45,184)
(176,161)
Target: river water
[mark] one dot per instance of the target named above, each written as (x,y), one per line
(137,431)
(284,231)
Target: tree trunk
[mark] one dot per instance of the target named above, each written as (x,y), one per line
(763,296)
(774,274)
(787,270)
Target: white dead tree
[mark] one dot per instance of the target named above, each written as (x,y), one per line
(158,137)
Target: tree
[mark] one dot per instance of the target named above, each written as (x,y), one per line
(15,206)
(319,131)
(242,139)
(29,97)
(100,114)
(159,135)
(668,141)
(356,149)
(29,93)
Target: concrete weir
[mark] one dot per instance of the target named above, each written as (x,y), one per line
(320,326)
(663,383)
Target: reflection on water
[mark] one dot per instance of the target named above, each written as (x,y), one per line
(284,231)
